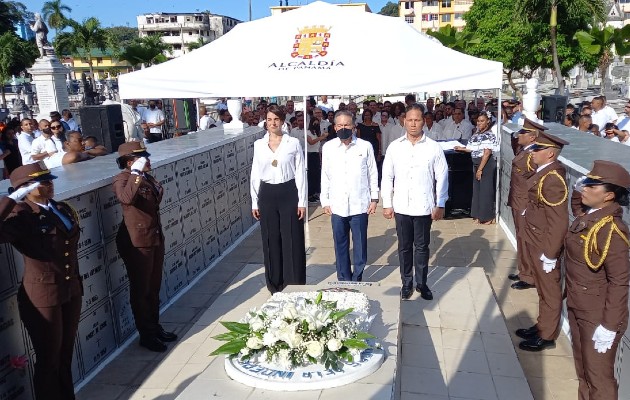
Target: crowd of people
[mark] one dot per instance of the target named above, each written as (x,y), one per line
(599,119)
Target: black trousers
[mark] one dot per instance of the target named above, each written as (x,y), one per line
(144,268)
(414,237)
(484,192)
(53,331)
(314,175)
(282,236)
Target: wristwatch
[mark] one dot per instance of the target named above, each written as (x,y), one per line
(375,201)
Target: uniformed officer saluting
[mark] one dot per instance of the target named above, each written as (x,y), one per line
(140,242)
(522,168)
(597,275)
(546,223)
(47,233)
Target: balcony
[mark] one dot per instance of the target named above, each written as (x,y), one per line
(174,25)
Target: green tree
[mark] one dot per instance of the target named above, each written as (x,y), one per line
(454,39)
(195,45)
(565,18)
(599,42)
(11,12)
(53,13)
(145,51)
(15,56)
(390,9)
(121,36)
(84,37)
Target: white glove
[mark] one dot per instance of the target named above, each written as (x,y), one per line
(548,263)
(579,184)
(139,165)
(603,339)
(21,193)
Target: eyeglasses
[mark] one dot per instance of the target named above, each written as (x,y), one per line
(55,126)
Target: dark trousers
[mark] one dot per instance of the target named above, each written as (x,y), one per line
(144,268)
(341,227)
(314,175)
(414,237)
(282,236)
(595,371)
(484,192)
(53,331)
(549,288)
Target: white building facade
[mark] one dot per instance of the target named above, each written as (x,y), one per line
(181,30)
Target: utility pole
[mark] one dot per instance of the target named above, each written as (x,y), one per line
(250,10)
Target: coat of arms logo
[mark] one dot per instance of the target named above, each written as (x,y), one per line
(311,42)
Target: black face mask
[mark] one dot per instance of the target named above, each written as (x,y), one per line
(344,134)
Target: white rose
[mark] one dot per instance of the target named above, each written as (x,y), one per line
(254,343)
(334,344)
(283,359)
(278,324)
(269,339)
(314,349)
(293,339)
(256,325)
(245,351)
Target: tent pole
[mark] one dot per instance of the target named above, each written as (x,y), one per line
(307,237)
(499,168)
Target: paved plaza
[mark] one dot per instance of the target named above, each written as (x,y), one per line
(459,346)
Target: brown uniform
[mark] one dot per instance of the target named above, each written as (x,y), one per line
(522,168)
(597,296)
(544,229)
(140,243)
(49,297)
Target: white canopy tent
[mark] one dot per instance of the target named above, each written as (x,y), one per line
(316,49)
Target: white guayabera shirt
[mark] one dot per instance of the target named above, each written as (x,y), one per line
(415,177)
(349,177)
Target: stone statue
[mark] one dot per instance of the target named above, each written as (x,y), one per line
(41,34)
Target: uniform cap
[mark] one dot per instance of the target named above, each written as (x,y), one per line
(530,126)
(36,172)
(547,140)
(133,148)
(608,172)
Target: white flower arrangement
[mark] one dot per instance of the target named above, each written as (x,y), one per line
(298,329)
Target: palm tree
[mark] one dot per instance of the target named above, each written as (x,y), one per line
(600,42)
(53,14)
(575,10)
(145,51)
(195,45)
(84,38)
(454,39)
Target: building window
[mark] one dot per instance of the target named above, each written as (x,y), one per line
(459,16)
(626,15)
(189,33)
(446,3)
(99,60)
(426,17)
(408,5)
(173,19)
(177,47)
(198,18)
(187,19)
(409,20)
(446,17)
(432,3)
(149,20)
(624,1)
(434,17)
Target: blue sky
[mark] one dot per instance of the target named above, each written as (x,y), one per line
(124,12)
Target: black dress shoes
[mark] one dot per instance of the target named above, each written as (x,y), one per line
(153,344)
(537,343)
(514,277)
(405,293)
(165,336)
(527,333)
(521,285)
(425,292)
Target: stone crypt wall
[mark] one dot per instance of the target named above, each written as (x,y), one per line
(206,207)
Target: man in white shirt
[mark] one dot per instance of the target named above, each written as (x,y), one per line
(43,146)
(25,140)
(205,121)
(66,115)
(154,118)
(432,129)
(349,193)
(324,104)
(298,132)
(289,108)
(376,113)
(323,122)
(612,115)
(414,190)
(600,116)
(389,131)
(456,129)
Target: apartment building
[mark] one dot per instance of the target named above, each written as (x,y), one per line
(353,6)
(179,30)
(432,14)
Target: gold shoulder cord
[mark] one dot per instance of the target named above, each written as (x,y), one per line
(540,187)
(590,241)
(75,214)
(529,165)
